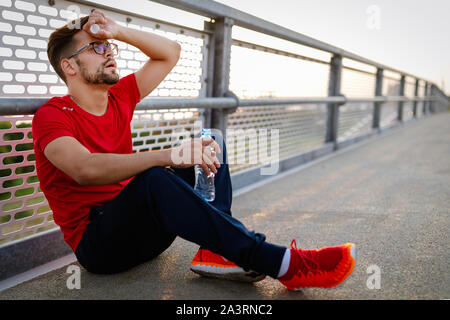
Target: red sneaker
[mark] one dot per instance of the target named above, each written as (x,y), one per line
(326,267)
(210,264)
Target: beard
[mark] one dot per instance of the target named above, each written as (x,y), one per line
(100,76)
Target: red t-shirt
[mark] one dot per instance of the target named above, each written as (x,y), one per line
(109,133)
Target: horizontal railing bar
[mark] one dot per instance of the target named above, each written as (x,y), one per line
(21,106)
(359,70)
(207,103)
(389,99)
(391,78)
(318,100)
(259,47)
(284,101)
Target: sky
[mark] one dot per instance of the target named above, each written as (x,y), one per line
(408,35)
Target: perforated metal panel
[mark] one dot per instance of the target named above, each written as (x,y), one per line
(299,128)
(389,110)
(24,209)
(354,119)
(162,129)
(256,72)
(357,84)
(391,84)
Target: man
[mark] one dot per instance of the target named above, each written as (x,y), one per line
(117,208)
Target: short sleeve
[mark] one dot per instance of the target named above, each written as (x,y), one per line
(127,91)
(49,123)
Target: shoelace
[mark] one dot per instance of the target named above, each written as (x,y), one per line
(303,256)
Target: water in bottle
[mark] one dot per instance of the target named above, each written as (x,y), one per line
(204,184)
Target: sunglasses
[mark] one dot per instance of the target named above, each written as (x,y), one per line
(99,48)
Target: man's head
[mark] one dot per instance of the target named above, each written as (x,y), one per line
(93,65)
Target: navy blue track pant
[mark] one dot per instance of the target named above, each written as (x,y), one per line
(160,204)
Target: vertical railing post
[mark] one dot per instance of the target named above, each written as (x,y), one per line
(219,74)
(432,103)
(416,94)
(401,103)
(334,89)
(425,103)
(377,105)
(209,79)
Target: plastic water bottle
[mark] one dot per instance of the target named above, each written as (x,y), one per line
(204,184)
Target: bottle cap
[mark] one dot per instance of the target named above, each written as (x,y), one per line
(95,28)
(206,133)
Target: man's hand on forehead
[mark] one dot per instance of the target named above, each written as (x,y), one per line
(101,27)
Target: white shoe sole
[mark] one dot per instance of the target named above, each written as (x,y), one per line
(232,273)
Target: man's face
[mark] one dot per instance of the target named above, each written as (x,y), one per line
(95,68)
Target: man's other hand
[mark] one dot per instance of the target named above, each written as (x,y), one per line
(195,151)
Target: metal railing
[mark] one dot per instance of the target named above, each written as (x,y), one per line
(201,88)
